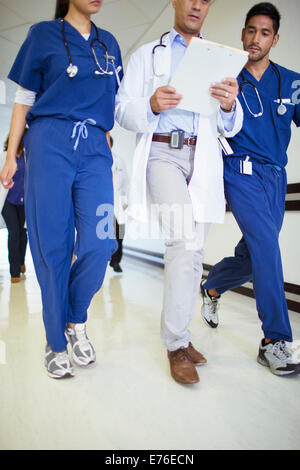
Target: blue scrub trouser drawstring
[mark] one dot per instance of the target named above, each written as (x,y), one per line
(82,130)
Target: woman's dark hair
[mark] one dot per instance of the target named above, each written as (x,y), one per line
(62,7)
(266,9)
(21,144)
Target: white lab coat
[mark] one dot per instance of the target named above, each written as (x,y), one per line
(3,191)
(206,187)
(121,186)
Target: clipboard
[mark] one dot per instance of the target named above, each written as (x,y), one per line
(204,63)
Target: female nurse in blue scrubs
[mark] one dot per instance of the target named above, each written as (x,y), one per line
(68,72)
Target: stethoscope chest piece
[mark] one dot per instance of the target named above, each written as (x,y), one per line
(72,70)
(281,110)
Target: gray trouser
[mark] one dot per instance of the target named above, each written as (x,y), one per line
(168,174)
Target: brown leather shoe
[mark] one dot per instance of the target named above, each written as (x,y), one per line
(195,356)
(15,280)
(23,269)
(182,368)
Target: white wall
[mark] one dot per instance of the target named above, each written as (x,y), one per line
(224,24)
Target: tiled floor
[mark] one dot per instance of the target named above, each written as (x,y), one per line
(127,400)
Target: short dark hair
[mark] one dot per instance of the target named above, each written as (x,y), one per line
(267,9)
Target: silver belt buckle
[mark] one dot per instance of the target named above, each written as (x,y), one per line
(190,141)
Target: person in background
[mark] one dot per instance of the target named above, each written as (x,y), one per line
(13,213)
(121,184)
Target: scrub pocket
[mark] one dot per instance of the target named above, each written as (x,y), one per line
(283,121)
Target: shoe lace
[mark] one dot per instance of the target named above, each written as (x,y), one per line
(214,305)
(82,338)
(281,351)
(182,354)
(62,359)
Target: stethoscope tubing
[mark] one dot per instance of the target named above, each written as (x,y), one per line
(161,44)
(281,108)
(97,38)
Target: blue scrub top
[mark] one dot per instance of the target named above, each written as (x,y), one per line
(266,138)
(41,66)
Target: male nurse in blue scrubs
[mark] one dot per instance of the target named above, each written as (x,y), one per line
(255,187)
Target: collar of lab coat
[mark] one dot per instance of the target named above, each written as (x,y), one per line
(162,60)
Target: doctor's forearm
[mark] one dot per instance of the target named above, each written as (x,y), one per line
(17,126)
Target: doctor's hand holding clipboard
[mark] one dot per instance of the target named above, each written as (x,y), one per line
(201,76)
(166,97)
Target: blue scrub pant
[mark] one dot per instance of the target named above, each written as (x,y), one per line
(63,189)
(257,202)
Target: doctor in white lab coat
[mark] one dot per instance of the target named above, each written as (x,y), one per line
(191,177)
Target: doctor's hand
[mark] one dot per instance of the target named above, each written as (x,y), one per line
(164,98)
(225,92)
(7,173)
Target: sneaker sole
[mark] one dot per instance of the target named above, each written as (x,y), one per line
(58,377)
(78,363)
(274,371)
(68,375)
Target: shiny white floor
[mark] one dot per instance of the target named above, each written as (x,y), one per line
(127,400)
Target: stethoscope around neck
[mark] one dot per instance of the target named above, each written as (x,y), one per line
(156,69)
(72,69)
(281,110)
(161,42)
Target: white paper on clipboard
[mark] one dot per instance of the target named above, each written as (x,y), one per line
(204,63)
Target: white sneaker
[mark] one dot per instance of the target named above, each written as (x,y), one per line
(83,352)
(278,358)
(58,364)
(210,307)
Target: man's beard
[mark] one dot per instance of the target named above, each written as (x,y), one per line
(259,58)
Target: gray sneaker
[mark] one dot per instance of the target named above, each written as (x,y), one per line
(83,352)
(58,364)
(278,358)
(210,307)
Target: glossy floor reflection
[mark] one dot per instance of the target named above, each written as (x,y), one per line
(127,400)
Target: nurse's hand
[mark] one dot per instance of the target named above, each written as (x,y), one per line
(225,92)
(7,173)
(164,98)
